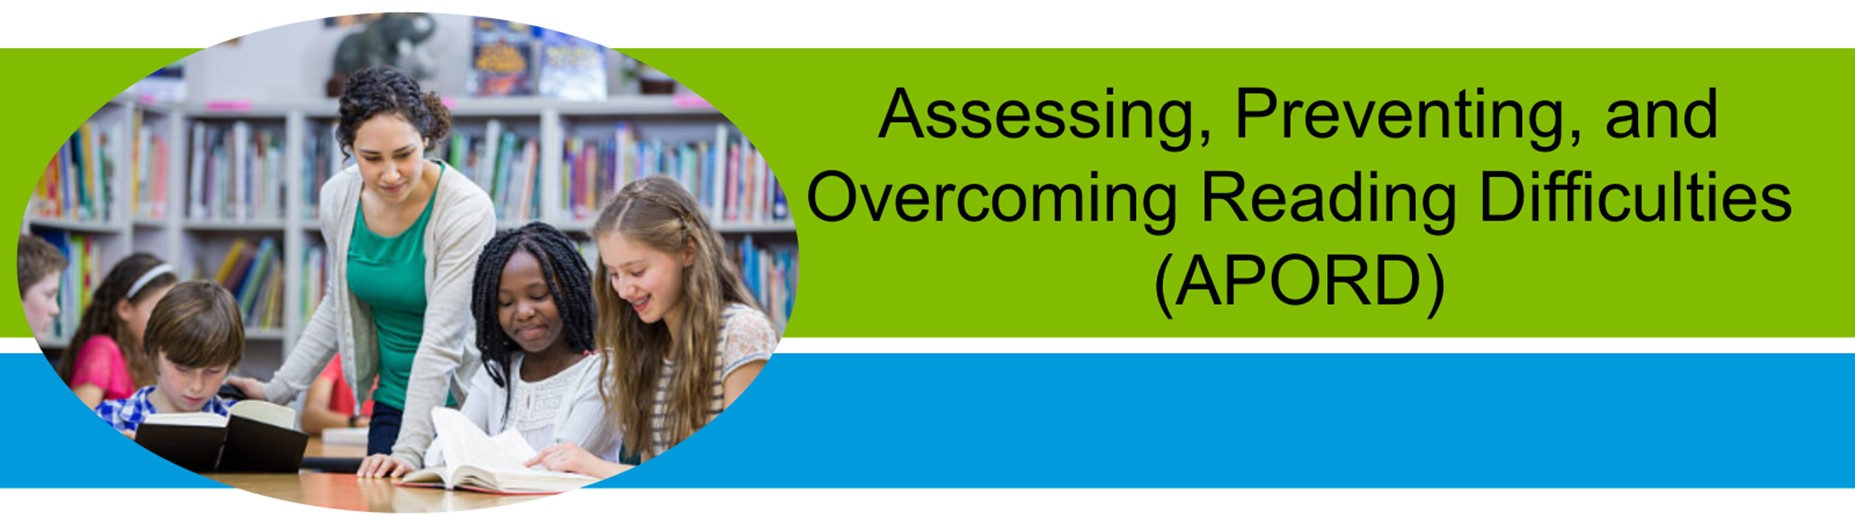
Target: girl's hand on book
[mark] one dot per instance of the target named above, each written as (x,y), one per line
(571,458)
(380,465)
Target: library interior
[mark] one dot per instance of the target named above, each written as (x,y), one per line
(214,165)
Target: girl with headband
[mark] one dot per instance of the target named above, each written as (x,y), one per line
(107,360)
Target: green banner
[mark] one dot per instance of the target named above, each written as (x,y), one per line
(981,193)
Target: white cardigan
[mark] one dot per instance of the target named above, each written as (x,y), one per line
(462,222)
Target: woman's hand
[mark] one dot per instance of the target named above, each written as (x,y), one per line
(252,388)
(571,458)
(380,465)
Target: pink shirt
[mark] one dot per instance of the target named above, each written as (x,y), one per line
(100,363)
(341,401)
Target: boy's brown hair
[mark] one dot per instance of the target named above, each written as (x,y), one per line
(198,325)
(37,259)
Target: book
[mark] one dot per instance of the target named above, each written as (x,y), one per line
(474,461)
(196,179)
(572,69)
(502,58)
(245,289)
(231,261)
(344,436)
(256,437)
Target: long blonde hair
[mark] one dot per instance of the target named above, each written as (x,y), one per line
(661,214)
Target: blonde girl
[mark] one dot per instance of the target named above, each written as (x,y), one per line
(680,336)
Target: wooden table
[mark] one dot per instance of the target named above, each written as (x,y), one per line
(317,449)
(347,491)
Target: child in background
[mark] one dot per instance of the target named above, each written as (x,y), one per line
(330,402)
(107,360)
(534,310)
(196,336)
(39,266)
(680,335)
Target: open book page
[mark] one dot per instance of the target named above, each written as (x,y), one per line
(476,461)
(466,445)
(202,419)
(266,412)
(517,482)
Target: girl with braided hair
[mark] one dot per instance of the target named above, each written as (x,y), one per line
(534,309)
(403,234)
(680,336)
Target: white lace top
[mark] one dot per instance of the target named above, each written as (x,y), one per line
(563,407)
(534,406)
(746,336)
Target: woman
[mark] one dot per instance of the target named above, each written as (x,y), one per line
(405,232)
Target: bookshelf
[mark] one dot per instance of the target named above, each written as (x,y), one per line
(80,204)
(192,182)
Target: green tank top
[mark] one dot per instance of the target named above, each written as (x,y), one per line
(388,273)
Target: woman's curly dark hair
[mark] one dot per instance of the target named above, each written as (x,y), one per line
(382,89)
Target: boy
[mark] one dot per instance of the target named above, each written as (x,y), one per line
(39,265)
(196,336)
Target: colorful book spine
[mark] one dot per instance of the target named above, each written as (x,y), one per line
(149,190)
(248,286)
(315,268)
(728,177)
(505,163)
(771,274)
(76,185)
(237,173)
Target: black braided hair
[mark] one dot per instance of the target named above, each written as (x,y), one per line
(569,283)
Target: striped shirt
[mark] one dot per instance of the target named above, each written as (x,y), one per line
(127,414)
(746,336)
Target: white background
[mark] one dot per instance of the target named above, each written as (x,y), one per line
(968,23)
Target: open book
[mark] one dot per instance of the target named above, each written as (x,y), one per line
(257,437)
(477,462)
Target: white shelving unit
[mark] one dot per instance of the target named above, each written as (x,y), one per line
(196,247)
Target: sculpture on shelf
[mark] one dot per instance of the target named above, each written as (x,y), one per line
(396,39)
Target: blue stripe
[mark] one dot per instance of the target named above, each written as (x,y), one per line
(1319,420)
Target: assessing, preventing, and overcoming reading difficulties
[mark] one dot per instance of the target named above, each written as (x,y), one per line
(477,462)
(256,437)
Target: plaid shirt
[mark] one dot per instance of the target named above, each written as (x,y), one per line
(127,413)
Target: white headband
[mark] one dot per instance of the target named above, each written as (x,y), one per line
(157,271)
